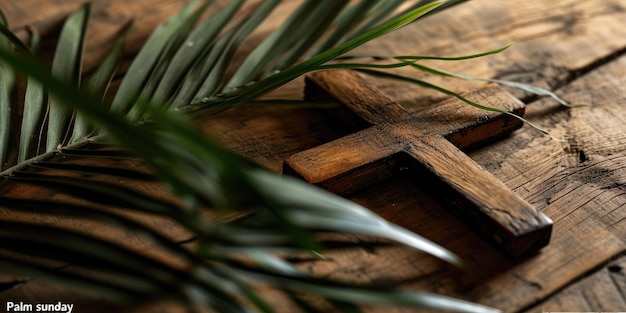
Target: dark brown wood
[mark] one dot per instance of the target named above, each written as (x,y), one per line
(414,145)
(579,183)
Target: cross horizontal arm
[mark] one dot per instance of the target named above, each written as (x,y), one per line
(349,163)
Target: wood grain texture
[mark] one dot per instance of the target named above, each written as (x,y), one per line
(365,100)
(603,291)
(575,47)
(465,126)
(578,183)
(107,19)
(478,198)
(346,164)
(553,42)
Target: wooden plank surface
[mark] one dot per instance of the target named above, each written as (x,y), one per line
(603,291)
(576,47)
(106,21)
(538,168)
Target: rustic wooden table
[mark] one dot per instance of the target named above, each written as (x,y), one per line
(575,47)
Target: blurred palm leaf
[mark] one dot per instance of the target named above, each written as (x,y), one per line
(182,69)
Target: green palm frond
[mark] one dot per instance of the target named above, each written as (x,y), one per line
(68,128)
(187,69)
(287,213)
(7,83)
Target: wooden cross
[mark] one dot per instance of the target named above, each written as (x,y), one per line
(424,144)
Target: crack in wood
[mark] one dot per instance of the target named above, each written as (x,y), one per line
(590,298)
(534,284)
(573,75)
(618,279)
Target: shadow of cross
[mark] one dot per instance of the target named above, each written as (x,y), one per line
(426,146)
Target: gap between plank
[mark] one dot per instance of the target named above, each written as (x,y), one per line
(573,75)
(594,270)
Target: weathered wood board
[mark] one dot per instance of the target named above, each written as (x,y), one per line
(603,291)
(576,47)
